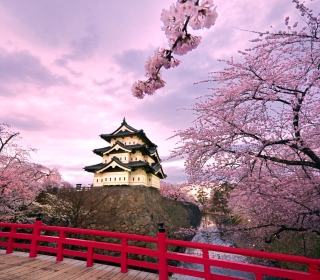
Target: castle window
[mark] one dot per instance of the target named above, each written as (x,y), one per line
(125,158)
(149,179)
(124,178)
(133,179)
(115,178)
(105,179)
(134,142)
(129,143)
(120,158)
(136,158)
(101,180)
(119,178)
(138,178)
(110,178)
(97,180)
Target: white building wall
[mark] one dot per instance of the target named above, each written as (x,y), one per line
(148,159)
(136,156)
(153,181)
(127,141)
(138,177)
(111,178)
(123,157)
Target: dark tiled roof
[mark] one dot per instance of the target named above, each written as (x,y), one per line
(94,168)
(131,165)
(139,133)
(126,125)
(142,148)
(156,167)
(138,163)
(100,151)
(152,149)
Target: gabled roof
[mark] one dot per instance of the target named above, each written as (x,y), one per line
(151,151)
(155,155)
(158,171)
(95,167)
(116,147)
(131,166)
(124,127)
(115,162)
(126,130)
(101,151)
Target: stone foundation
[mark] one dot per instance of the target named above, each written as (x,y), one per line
(138,209)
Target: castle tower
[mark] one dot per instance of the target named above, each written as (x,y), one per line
(131,159)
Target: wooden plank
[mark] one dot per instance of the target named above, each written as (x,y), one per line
(67,271)
(112,274)
(32,269)
(102,271)
(151,276)
(18,266)
(95,273)
(141,276)
(130,275)
(50,270)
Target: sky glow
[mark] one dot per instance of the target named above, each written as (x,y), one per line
(67,67)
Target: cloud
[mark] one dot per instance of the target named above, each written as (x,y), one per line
(82,48)
(25,122)
(63,62)
(104,82)
(175,174)
(133,60)
(6,92)
(23,67)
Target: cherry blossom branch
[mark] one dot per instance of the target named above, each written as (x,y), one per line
(176,21)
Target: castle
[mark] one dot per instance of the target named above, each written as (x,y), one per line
(131,159)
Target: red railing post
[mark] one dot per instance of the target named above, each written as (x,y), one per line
(90,257)
(35,238)
(9,250)
(207,271)
(124,255)
(314,269)
(62,236)
(162,249)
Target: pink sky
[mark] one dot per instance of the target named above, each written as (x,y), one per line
(66,70)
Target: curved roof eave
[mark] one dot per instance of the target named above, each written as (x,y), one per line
(118,163)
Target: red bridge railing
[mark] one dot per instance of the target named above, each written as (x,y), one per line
(65,241)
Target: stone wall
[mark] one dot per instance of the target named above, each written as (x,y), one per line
(138,209)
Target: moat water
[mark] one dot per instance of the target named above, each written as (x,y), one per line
(207,233)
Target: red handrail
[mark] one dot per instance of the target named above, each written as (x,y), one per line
(60,240)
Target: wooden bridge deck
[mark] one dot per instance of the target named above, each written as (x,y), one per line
(19,266)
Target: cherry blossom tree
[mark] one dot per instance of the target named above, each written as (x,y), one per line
(20,179)
(259,129)
(177,192)
(73,208)
(186,13)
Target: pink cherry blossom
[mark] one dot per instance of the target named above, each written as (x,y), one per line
(259,130)
(21,180)
(176,21)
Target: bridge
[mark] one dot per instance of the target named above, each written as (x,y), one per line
(39,249)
